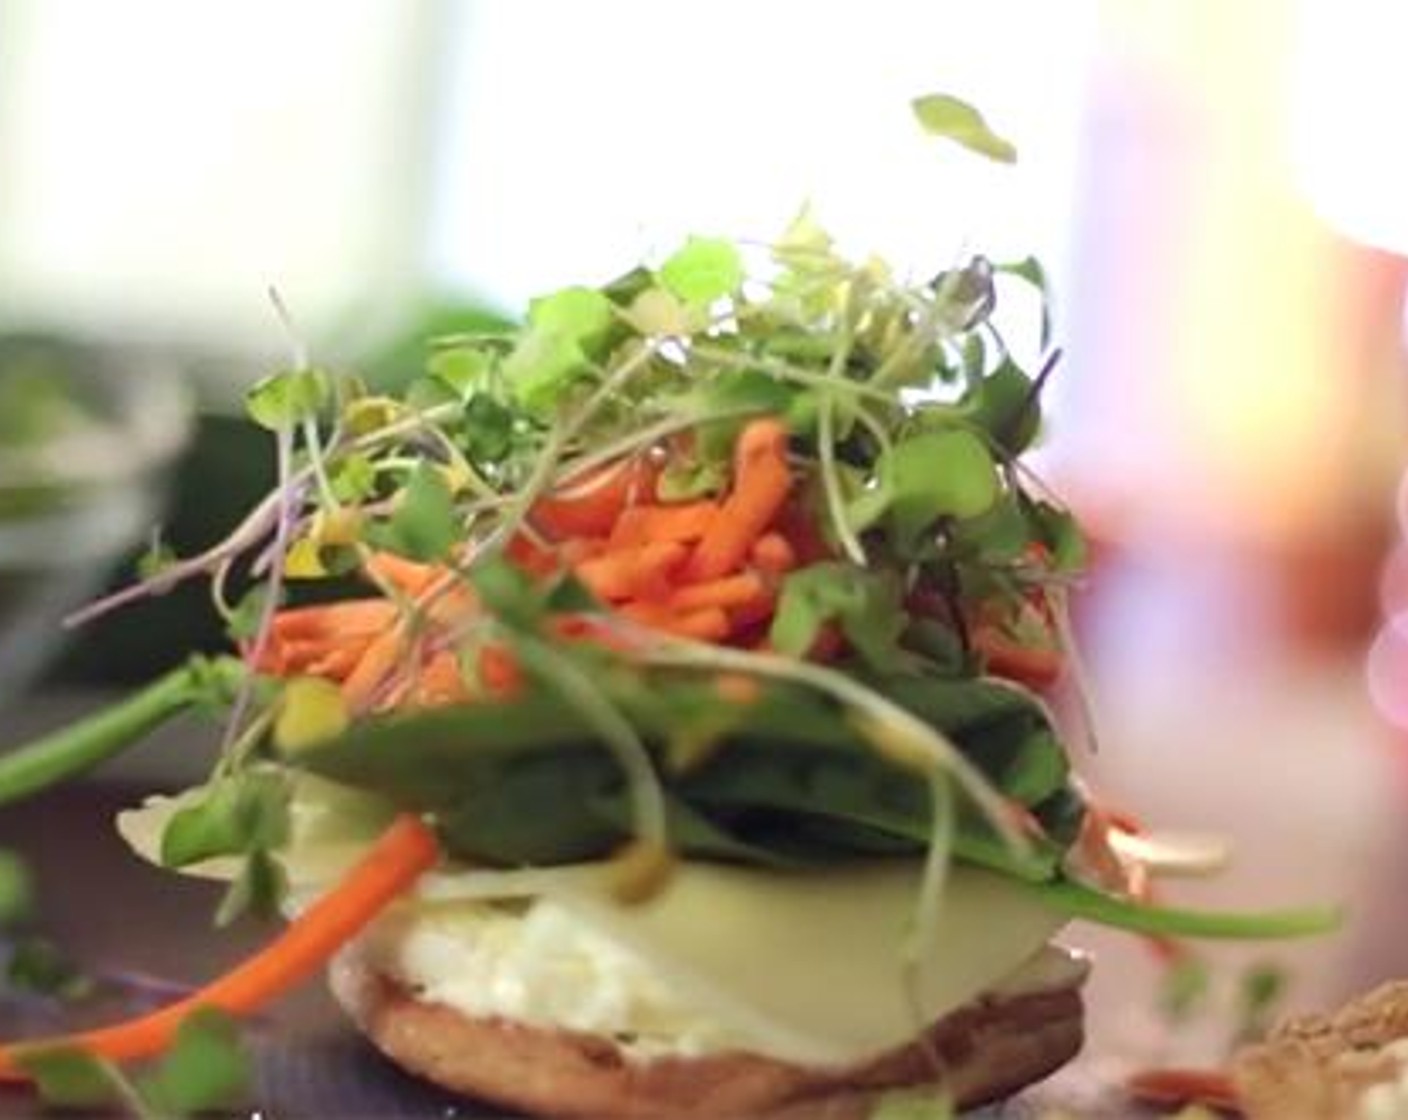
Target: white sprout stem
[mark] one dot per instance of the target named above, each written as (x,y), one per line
(919,745)
(786,371)
(922,937)
(826,451)
(1080,676)
(289,497)
(314,443)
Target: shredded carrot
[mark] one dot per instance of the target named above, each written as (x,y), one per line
(633,573)
(730,591)
(643,524)
(406,576)
(761,483)
(406,850)
(373,668)
(499,671)
(711,624)
(773,553)
(1176,1086)
(532,557)
(588,505)
(327,620)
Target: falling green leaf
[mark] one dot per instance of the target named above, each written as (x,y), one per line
(704,270)
(953,119)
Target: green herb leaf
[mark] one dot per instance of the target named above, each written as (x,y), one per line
(16,893)
(866,604)
(1183,989)
(206,1068)
(1061,533)
(424,525)
(704,270)
(240,814)
(39,966)
(70,1078)
(953,119)
(280,401)
(580,315)
(542,366)
(259,890)
(937,474)
(488,430)
(1005,404)
(156,560)
(353,478)
(461,369)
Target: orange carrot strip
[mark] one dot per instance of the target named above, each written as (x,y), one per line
(336,662)
(773,553)
(632,573)
(1176,1086)
(532,557)
(352,616)
(407,576)
(374,666)
(708,625)
(499,671)
(730,591)
(406,850)
(647,524)
(588,505)
(440,682)
(761,482)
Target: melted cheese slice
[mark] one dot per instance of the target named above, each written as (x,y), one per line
(803,967)
(807,967)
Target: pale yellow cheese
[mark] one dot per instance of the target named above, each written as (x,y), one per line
(804,967)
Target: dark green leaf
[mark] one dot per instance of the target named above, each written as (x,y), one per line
(16,895)
(424,526)
(488,430)
(37,965)
(509,594)
(258,890)
(206,1068)
(1061,533)
(866,604)
(704,270)
(956,120)
(1005,404)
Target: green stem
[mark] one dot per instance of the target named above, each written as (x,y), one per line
(1079,901)
(81,746)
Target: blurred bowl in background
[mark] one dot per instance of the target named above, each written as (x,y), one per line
(88,433)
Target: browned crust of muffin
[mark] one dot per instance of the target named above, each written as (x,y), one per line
(1318,1067)
(983,1051)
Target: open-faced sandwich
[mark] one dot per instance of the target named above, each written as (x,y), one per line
(643,716)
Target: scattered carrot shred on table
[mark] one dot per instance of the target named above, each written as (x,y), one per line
(406,850)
